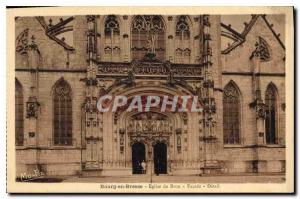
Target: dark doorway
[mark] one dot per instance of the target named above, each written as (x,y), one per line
(160,158)
(138,155)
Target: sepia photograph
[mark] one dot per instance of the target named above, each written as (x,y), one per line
(132,100)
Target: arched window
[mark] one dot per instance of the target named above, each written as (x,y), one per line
(148,35)
(62,103)
(112,39)
(231,114)
(271,112)
(19,114)
(182,41)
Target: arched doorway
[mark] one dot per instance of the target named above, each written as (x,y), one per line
(138,155)
(160,158)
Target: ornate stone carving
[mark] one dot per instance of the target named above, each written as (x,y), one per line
(24,43)
(122,140)
(149,69)
(149,127)
(170,80)
(182,27)
(206,20)
(184,117)
(230,91)
(91,82)
(262,50)
(178,139)
(261,110)
(208,84)
(32,107)
(90,105)
(90,18)
(150,122)
(104,84)
(209,105)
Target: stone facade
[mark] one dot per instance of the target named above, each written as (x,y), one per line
(94,55)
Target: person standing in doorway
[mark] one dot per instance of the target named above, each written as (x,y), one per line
(144,165)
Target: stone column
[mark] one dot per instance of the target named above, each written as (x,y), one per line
(125,39)
(93,117)
(210,164)
(32,104)
(260,112)
(260,106)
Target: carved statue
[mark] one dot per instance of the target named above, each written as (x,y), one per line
(171,79)
(131,126)
(151,42)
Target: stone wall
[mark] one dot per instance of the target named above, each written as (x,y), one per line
(239,67)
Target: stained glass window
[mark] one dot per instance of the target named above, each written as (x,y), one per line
(231,114)
(19,114)
(271,111)
(62,113)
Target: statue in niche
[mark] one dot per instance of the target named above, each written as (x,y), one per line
(154,125)
(160,126)
(145,125)
(130,126)
(138,126)
(151,41)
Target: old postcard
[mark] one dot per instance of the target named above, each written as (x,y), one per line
(150,100)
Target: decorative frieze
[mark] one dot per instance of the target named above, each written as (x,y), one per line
(151,69)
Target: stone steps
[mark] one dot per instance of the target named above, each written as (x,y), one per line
(91,172)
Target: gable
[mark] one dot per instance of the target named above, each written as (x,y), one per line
(258,27)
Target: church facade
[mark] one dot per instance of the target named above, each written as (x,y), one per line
(64,65)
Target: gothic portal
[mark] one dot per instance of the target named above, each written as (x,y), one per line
(64,65)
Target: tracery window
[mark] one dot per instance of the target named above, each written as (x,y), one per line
(182,41)
(19,114)
(271,112)
(263,49)
(112,39)
(62,117)
(231,114)
(21,49)
(148,35)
